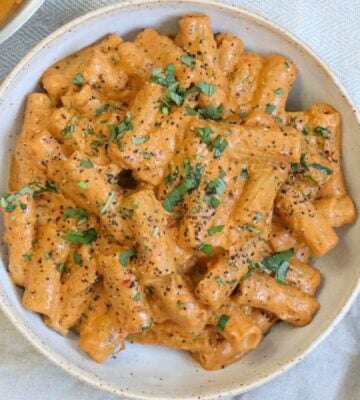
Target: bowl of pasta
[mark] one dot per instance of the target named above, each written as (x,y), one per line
(178,200)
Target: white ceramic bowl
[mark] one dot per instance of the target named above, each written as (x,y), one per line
(24,13)
(144,372)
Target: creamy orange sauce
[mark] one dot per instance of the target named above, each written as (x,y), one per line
(161,193)
(8,9)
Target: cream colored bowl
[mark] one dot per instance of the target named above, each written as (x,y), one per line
(21,16)
(144,372)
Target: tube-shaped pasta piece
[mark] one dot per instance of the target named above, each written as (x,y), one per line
(263,319)
(96,64)
(286,302)
(195,37)
(100,333)
(42,292)
(148,147)
(337,210)
(244,81)
(283,238)
(276,80)
(163,51)
(124,292)
(175,336)
(23,169)
(179,302)
(222,277)
(134,62)
(276,143)
(240,335)
(303,276)
(148,222)
(326,124)
(90,189)
(230,49)
(77,288)
(303,217)
(253,212)
(19,235)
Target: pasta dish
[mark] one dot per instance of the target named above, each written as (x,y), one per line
(161,193)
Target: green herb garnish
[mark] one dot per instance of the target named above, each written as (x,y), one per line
(126,256)
(86,164)
(322,168)
(27,256)
(215,229)
(77,258)
(279,263)
(80,214)
(324,132)
(206,248)
(187,60)
(78,79)
(82,237)
(68,131)
(223,320)
(270,108)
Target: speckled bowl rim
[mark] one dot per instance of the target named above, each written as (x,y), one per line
(91,378)
(25,12)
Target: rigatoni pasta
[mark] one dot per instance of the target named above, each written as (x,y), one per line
(161,193)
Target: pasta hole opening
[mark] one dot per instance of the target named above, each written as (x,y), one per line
(126,180)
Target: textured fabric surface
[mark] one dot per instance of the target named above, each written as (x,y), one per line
(332,29)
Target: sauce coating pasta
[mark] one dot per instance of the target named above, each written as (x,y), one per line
(161,193)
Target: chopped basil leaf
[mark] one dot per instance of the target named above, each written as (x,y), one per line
(215,229)
(61,267)
(147,155)
(86,164)
(216,186)
(27,256)
(140,140)
(324,132)
(205,134)
(105,108)
(270,108)
(110,199)
(306,130)
(219,281)
(211,112)
(155,231)
(258,217)
(206,88)
(126,256)
(300,167)
(191,181)
(171,177)
(135,204)
(278,92)
(68,131)
(189,61)
(244,174)
(223,320)
(252,228)
(287,65)
(219,145)
(137,296)
(117,132)
(191,111)
(279,263)
(206,248)
(83,185)
(78,79)
(322,168)
(292,122)
(9,200)
(80,214)
(77,258)
(212,201)
(82,237)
